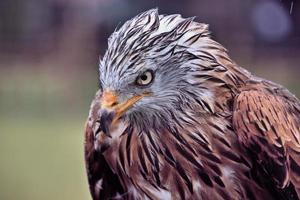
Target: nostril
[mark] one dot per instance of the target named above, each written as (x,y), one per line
(114,104)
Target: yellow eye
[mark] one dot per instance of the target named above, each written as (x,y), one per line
(145,78)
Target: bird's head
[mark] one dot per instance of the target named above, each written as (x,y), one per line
(155,69)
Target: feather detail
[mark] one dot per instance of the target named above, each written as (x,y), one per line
(209,129)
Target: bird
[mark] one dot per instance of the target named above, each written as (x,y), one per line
(174,117)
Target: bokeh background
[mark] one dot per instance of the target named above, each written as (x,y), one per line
(49,51)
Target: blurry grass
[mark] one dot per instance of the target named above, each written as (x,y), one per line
(42,116)
(42,159)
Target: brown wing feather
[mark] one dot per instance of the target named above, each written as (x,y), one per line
(268,124)
(103,183)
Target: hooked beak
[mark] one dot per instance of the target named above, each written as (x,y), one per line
(112,110)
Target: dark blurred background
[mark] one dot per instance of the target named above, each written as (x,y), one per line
(49,51)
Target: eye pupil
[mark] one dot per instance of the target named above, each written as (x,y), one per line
(144,77)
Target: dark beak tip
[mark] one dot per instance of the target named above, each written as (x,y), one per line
(106,119)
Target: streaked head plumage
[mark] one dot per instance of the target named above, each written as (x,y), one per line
(173,50)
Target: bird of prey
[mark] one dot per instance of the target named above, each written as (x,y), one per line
(176,118)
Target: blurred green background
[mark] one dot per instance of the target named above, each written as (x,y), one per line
(49,53)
